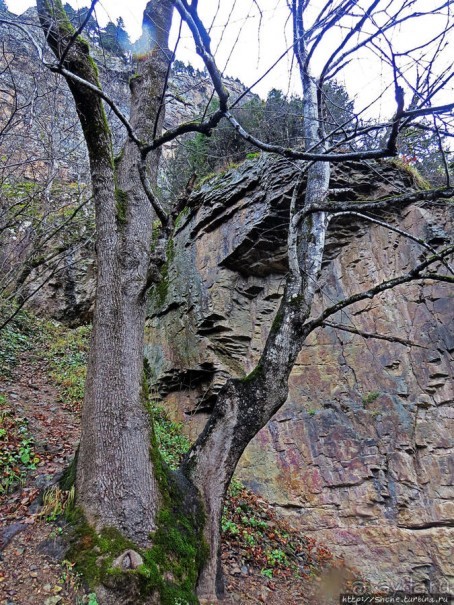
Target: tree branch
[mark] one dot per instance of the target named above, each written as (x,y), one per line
(418,240)
(413,275)
(110,102)
(344,328)
(148,189)
(429,195)
(77,33)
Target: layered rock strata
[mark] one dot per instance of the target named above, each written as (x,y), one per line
(361,454)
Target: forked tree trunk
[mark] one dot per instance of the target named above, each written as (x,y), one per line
(243,407)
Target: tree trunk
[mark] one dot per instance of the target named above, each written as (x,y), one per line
(244,406)
(115,482)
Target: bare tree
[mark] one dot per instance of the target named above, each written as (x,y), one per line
(120,481)
(43,196)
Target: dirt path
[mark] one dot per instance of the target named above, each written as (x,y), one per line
(31,572)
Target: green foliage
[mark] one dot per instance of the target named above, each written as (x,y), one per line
(419,151)
(66,350)
(170,440)
(267,573)
(17,456)
(56,501)
(15,338)
(370,397)
(251,527)
(230,527)
(276,120)
(404,164)
(276,557)
(339,110)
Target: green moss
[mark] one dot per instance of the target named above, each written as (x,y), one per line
(206,179)
(254,374)
(277,321)
(121,200)
(118,158)
(93,553)
(68,478)
(183,214)
(160,289)
(134,78)
(170,250)
(371,397)
(171,566)
(156,232)
(417,177)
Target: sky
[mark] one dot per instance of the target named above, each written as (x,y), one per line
(246,60)
(254,42)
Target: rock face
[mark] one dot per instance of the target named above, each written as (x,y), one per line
(361,453)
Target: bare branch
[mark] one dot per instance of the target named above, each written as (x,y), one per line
(429,195)
(413,275)
(110,102)
(405,234)
(148,189)
(351,330)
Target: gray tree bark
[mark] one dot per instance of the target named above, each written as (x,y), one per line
(116,485)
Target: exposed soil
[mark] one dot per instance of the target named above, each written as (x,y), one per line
(33,570)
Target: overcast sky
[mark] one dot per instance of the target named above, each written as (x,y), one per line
(248,58)
(256,48)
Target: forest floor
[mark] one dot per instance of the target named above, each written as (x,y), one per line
(40,433)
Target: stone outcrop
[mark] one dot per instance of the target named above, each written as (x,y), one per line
(361,453)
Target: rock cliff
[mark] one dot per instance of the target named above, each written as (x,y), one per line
(361,453)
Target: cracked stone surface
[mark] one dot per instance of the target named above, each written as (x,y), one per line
(361,453)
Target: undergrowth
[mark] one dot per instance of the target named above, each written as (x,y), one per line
(66,351)
(252,529)
(17,455)
(15,338)
(171,441)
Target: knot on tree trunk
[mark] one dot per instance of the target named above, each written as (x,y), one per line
(129,559)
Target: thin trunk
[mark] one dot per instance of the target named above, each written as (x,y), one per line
(244,406)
